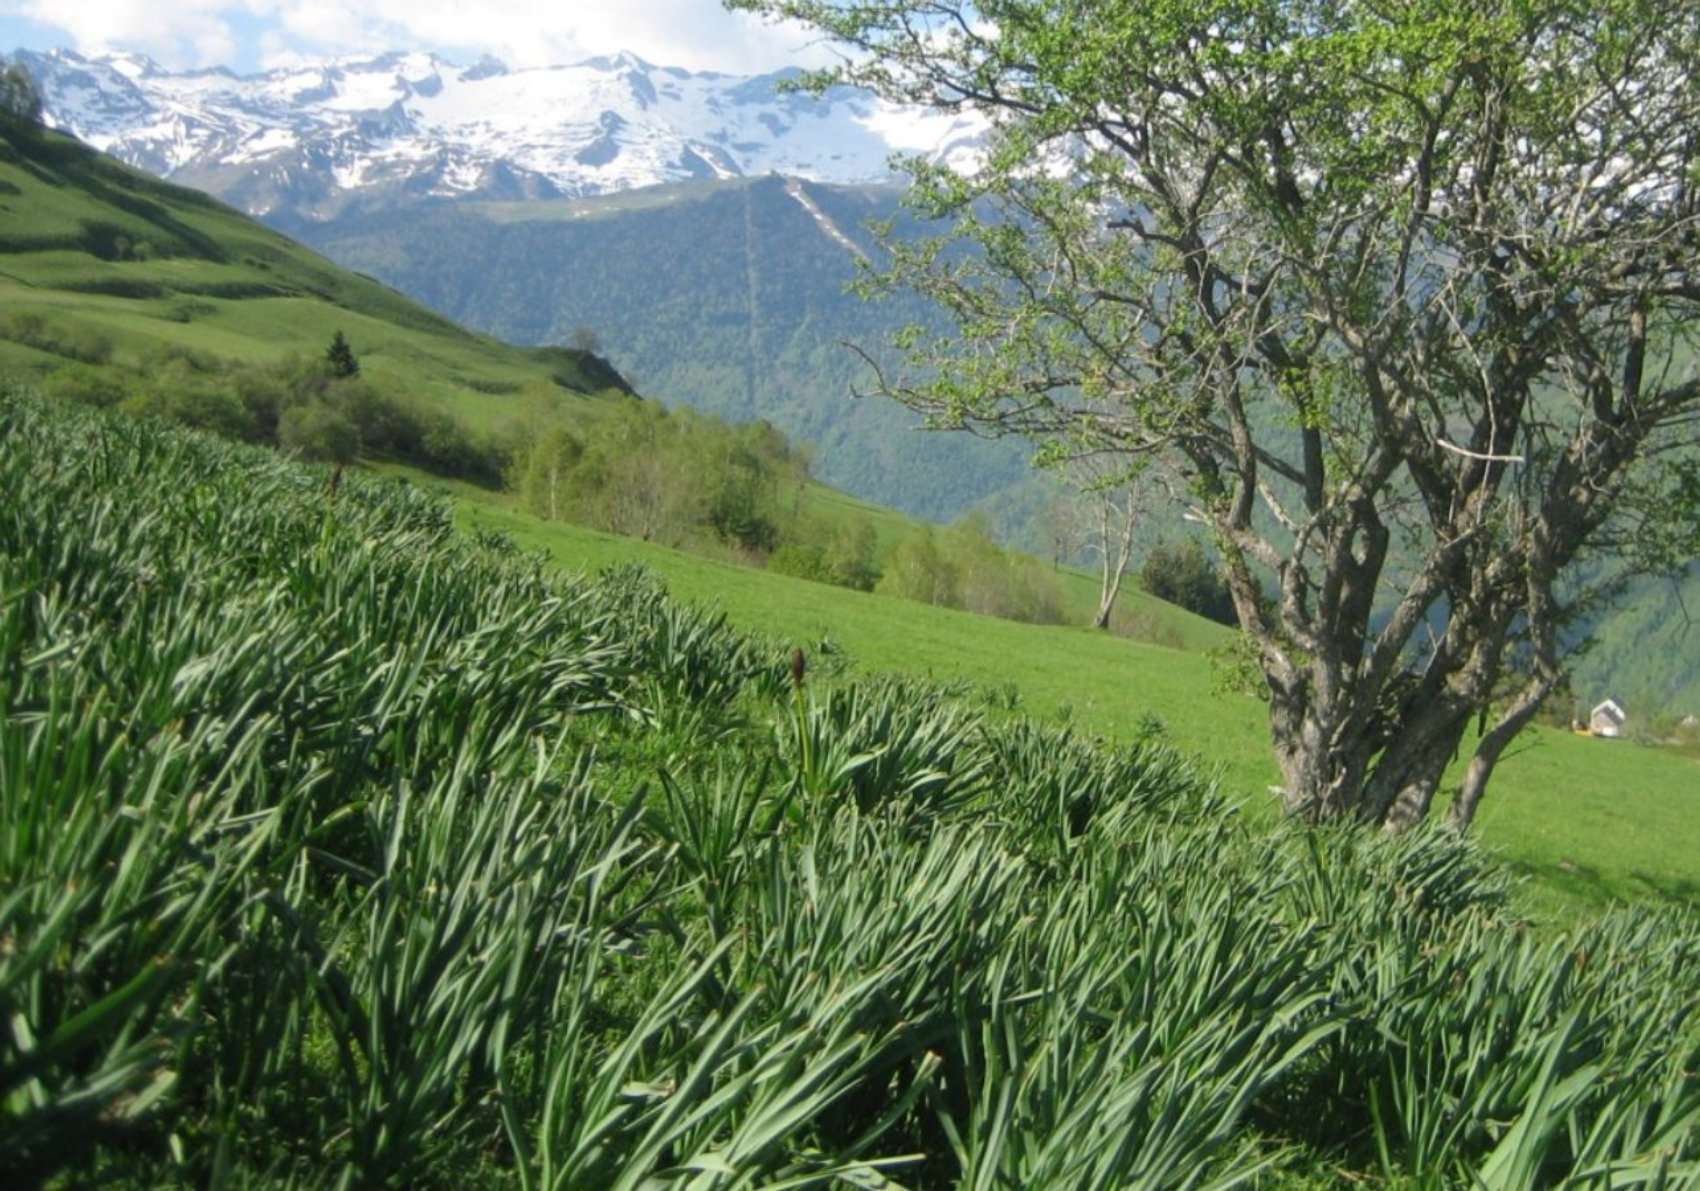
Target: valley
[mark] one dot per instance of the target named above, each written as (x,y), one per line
(723,292)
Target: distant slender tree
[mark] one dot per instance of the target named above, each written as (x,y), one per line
(546,472)
(1060,522)
(341,357)
(1109,504)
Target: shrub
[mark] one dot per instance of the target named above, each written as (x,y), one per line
(264,393)
(543,471)
(735,511)
(98,387)
(964,568)
(919,570)
(850,556)
(318,433)
(803,561)
(187,310)
(73,341)
(202,403)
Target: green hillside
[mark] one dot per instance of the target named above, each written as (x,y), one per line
(109,276)
(726,296)
(104,263)
(342,848)
(110,262)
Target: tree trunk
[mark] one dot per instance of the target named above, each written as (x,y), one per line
(1424,768)
(1108,592)
(1325,748)
(1322,762)
(1406,776)
(1492,746)
(1111,584)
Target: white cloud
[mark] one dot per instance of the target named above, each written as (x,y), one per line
(696,34)
(184,32)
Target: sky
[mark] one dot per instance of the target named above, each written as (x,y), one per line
(250,35)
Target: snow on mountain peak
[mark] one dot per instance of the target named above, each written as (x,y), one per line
(308,138)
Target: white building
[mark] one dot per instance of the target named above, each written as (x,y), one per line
(1607,719)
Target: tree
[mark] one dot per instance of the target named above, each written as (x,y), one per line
(849,554)
(1403,289)
(318,433)
(1183,576)
(1107,490)
(1061,523)
(340,357)
(917,569)
(546,469)
(19,95)
(584,339)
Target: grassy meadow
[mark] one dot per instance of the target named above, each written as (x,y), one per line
(345,847)
(1590,822)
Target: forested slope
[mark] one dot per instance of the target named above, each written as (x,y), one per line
(728,296)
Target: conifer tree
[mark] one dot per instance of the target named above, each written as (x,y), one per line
(341,358)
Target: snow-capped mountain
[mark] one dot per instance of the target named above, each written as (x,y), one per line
(309,140)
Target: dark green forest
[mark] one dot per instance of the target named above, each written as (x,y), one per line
(725,297)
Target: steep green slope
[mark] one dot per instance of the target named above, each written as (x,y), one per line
(117,265)
(728,296)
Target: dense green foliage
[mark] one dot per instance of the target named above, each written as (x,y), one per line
(681,478)
(317,409)
(1184,576)
(339,357)
(341,848)
(666,476)
(843,554)
(963,567)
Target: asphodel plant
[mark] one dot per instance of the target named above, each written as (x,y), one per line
(367,853)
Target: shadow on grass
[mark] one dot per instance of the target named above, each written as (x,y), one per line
(1674,891)
(1587,887)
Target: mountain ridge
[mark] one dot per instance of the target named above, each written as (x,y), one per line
(312,139)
